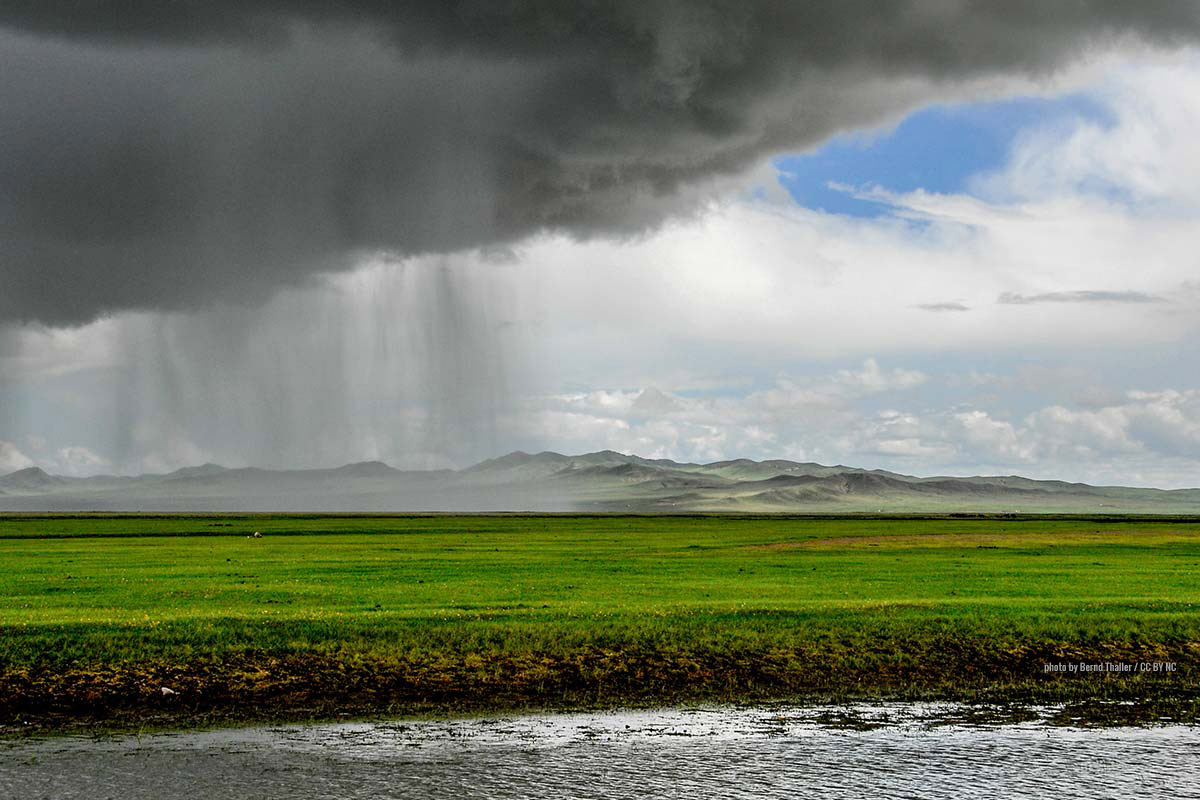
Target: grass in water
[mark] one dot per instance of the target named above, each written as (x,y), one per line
(366,615)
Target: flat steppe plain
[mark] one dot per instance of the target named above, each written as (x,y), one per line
(125,621)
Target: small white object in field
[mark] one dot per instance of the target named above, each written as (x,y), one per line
(166,690)
(257,535)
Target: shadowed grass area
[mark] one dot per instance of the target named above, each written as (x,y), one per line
(326,615)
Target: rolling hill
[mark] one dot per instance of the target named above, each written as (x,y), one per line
(606,481)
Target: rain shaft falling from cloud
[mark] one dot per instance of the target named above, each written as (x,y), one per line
(403,362)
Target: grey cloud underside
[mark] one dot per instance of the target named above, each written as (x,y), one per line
(167,155)
(1083,296)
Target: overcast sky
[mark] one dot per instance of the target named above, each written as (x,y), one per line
(933,238)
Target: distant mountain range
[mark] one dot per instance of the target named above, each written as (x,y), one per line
(604,481)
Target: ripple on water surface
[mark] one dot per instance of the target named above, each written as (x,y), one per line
(890,751)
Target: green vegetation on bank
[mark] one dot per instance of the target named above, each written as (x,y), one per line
(328,615)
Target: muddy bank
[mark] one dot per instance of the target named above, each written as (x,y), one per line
(1108,678)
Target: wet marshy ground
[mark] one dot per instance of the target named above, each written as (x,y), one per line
(874,751)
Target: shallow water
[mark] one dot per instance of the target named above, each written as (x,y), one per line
(884,751)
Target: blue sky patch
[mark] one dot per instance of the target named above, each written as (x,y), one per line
(938,148)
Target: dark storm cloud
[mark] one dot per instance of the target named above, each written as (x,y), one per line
(164,155)
(1082,296)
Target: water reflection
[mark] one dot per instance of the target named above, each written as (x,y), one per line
(890,751)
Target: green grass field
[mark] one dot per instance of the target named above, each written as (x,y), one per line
(326,615)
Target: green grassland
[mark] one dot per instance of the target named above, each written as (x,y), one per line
(386,615)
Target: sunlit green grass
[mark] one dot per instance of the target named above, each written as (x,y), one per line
(108,590)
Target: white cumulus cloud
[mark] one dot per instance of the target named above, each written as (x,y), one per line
(12,459)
